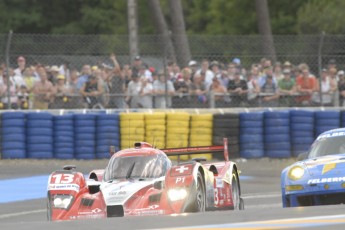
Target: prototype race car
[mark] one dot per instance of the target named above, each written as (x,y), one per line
(319,177)
(143,181)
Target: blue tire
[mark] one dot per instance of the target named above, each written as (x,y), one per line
(278,146)
(39,132)
(257,153)
(39,124)
(84,123)
(297,133)
(272,138)
(302,140)
(39,139)
(39,116)
(251,131)
(86,143)
(246,138)
(13,130)
(284,115)
(327,115)
(64,128)
(251,146)
(14,137)
(108,129)
(107,123)
(63,138)
(85,117)
(278,153)
(321,129)
(39,148)
(63,123)
(103,148)
(302,113)
(13,153)
(276,122)
(252,116)
(328,122)
(102,155)
(110,136)
(9,123)
(84,129)
(108,142)
(303,120)
(84,136)
(63,133)
(84,149)
(69,151)
(63,145)
(12,115)
(251,124)
(302,127)
(10,145)
(277,130)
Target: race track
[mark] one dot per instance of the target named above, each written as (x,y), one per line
(23,188)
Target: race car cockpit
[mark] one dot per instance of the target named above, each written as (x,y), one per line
(139,167)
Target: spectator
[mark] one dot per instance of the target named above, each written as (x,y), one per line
(207,73)
(215,69)
(137,64)
(327,90)
(231,71)
(238,89)
(84,77)
(219,92)
(4,93)
(277,71)
(116,84)
(287,65)
(287,87)
(62,95)
(127,74)
(23,97)
(334,85)
(16,79)
(306,85)
(92,91)
(270,93)
(65,70)
(145,92)
(182,86)
(253,87)
(193,65)
(29,80)
(332,63)
(198,91)
(341,88)
(43,91)
(161,87)
(53,73)
(21,66)
(224,79)
(133,97)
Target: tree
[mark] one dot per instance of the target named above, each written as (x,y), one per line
(264,26)
(179,32)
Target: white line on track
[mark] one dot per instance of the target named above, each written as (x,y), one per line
(3,216)
(260,195)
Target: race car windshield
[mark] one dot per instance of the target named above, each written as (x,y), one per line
(327,146)
(152,166)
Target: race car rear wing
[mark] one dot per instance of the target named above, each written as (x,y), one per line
(200,149)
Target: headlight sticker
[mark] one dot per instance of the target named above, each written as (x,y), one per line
(328,167)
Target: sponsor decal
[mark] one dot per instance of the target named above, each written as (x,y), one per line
(180,180)
(93,211)
(326,180)
(181,169)
(117,193)
(73,187)
(335,134)
(328,167)
(88,216)
(219,183)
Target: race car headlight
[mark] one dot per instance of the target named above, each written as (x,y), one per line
(177,194)
(296,173)
(62,201)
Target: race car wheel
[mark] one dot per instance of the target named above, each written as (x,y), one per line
(200,194)
(235,192)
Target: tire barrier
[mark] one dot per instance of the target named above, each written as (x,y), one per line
(177,132)
(39,139)
(13,135)
(251,135)
(107,134)
(84,136)
(63,135)
(132,129)
(201,129)
(326,120)
(277,134)
(301,130)
(227,125)
(155,127)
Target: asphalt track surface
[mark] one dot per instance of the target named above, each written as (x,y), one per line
(23,206)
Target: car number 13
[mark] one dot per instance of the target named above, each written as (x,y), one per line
(63,178)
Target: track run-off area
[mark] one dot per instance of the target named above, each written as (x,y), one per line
(23,204)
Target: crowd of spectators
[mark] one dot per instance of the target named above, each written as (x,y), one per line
(197,85)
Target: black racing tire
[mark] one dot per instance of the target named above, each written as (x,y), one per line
(235,188)
(199,201)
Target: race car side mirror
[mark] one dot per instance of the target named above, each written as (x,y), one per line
(158,185)
(302,156)
(112,150)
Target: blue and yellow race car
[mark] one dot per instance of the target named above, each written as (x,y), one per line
(319,177)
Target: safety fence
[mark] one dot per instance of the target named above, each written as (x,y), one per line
(255,134)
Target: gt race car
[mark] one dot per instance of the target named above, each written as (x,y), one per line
(319,177)
(143,181)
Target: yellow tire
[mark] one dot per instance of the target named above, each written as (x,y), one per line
(171,136)
(178,116)
(132,137)
(161,128)
(201,131)
(206,138)
(200,143)
(208,156)
(128,131)
(132,123)
(176,143)
(155,140)
(202,117)
(201,124)
(176,130)
(174,123)
(155,134)
(131,116)
(155,122)
(155,116)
